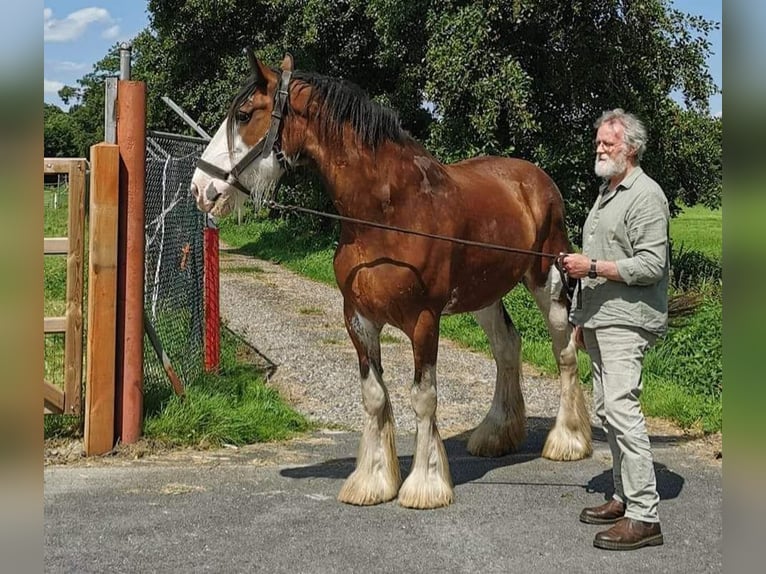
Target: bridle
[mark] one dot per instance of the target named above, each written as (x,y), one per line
(262,149)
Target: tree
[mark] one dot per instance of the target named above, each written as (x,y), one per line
(529,77)
(60,133)
(513,77)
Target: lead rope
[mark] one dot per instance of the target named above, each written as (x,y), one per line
(568,284)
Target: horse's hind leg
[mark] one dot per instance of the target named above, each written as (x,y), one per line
(570,437)
(504,428)
(429,484)
(376,478)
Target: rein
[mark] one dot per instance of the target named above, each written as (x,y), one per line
(281,207)
(569,285)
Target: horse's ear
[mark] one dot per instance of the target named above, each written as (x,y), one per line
(255,67)
(287,62)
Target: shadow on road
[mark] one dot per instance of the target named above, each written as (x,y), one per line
(669,483)
(467,468)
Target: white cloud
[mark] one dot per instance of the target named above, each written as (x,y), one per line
(51,86)
(75,24)
(66,66)
(111,33)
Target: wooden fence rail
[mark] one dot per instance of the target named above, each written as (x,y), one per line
(69,399)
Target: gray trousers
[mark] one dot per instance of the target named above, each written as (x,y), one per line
(617,355)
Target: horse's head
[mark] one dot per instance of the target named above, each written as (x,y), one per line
(243,158)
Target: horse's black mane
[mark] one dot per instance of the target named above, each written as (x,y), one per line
(340,101)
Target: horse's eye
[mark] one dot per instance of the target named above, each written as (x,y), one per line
(243,117)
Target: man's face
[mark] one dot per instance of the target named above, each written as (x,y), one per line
(611,153)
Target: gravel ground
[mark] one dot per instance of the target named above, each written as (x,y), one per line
(297,325)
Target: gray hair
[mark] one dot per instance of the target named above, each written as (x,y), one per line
(634,132)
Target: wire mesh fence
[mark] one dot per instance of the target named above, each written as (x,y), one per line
(173,291)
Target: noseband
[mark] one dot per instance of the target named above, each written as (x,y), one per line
(262,149)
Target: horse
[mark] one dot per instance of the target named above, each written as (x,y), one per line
(376,172)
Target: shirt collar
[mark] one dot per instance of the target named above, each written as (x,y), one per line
(627,182)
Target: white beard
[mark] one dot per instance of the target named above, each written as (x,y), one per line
(607,167)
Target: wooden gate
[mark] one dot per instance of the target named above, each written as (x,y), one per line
(69,399)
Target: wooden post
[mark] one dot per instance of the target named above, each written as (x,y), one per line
(131,139)
(74,288)
(102,300)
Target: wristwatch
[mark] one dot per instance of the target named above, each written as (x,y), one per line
(592,273)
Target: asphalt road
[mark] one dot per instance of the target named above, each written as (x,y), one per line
(272,508)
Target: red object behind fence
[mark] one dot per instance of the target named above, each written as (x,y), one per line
(212,309)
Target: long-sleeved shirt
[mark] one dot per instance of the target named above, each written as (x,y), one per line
(628,225)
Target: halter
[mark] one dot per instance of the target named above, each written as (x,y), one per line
(262,149)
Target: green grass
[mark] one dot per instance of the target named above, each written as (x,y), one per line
(232,407)
(698,229)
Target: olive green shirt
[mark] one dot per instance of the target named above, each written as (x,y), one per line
(629,226)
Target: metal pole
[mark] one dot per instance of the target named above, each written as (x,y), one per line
(110,111)
(125,53)
(184,116)
(212,351)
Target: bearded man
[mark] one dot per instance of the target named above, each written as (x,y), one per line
(624,267)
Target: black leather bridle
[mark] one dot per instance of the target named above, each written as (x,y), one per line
(262,149)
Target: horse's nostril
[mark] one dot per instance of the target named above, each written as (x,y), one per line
(211,193)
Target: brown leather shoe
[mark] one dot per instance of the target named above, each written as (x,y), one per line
(607,513)
(629,534)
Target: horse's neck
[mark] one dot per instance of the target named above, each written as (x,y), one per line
(359,178)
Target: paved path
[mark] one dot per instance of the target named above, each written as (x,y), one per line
(272,508)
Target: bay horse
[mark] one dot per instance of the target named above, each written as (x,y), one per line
(375,171)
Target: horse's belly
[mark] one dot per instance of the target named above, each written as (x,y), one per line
(472,291)
(385,290)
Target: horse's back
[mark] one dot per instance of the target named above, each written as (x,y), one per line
(517,175)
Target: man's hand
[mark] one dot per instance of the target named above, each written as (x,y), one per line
(576,265)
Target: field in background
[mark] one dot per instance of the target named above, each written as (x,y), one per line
(698,229)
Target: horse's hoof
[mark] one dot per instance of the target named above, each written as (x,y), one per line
(493,440)
(563,445)
(424,494)
(365,491)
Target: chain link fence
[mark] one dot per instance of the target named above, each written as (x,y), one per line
(173,291)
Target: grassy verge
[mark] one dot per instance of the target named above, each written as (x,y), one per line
(311,255)
(232,407)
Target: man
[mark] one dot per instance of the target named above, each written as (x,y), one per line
(622,312)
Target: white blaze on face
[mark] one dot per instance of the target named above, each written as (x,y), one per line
(217,196)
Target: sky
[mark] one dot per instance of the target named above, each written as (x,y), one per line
(79,33)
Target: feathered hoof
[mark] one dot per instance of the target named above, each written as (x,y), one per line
(563,444)
(367,490)
(493,440)
(424,492)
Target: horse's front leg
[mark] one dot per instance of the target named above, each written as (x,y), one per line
(429,484)
(376,478)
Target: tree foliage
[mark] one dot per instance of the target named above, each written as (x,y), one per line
(60,133)
(512,77)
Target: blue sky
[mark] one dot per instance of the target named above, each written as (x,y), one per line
(78,33)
